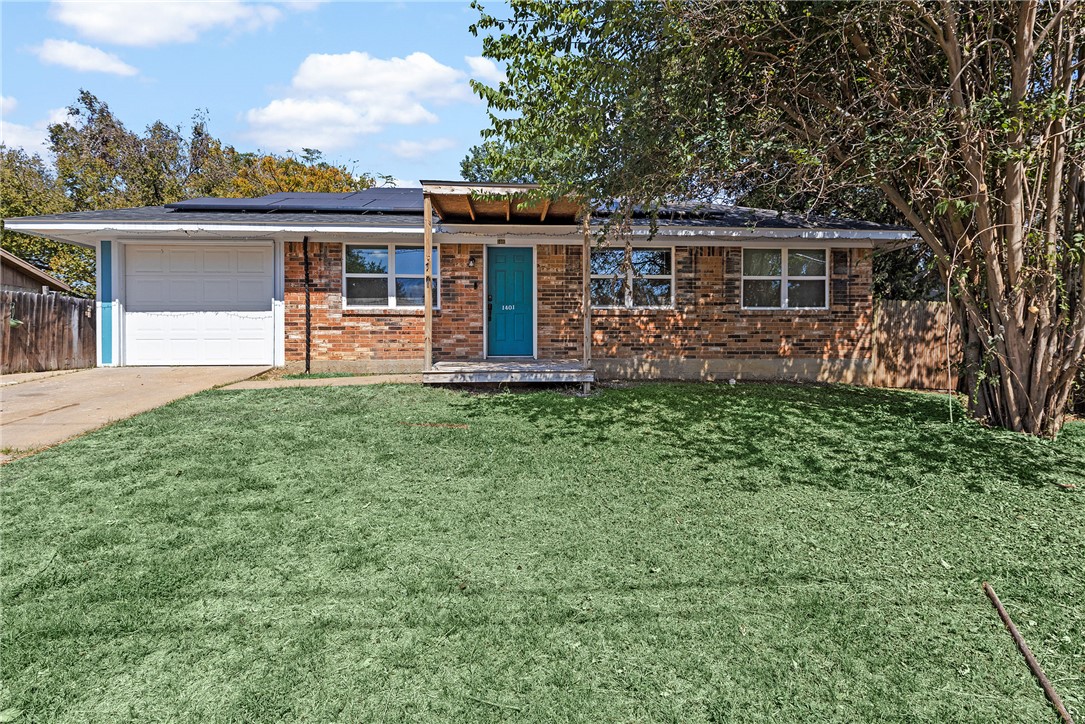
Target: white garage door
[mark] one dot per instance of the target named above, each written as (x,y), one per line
(198,305)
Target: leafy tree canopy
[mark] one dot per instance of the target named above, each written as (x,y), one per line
(479,165)
(966,119)
(95,162)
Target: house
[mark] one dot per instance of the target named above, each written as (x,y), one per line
(17,275)
(340,280)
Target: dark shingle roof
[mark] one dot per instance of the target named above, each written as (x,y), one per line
(726,216)
(403,207)
(163,215)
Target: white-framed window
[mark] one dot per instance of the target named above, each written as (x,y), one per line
(785,278)
(386,275)
(643,279)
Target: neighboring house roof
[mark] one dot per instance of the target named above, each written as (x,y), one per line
(29,270)
(401,210)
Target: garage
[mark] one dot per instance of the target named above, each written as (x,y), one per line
(198,305)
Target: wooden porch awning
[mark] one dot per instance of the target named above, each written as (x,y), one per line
(521,204)
(474,203)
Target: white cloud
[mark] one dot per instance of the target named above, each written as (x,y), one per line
(162,21)
(485,70)
(81,57)
(334,98)
(294,123)
(303,5)
(7,105)
(420,149)
(32,139)
(364,78)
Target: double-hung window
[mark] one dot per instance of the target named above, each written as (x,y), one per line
(632,278)
(785,278)
(386,275)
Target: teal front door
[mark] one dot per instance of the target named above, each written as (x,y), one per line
(510,302)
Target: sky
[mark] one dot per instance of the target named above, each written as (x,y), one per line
(381,87)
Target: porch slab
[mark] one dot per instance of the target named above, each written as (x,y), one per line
(508,371)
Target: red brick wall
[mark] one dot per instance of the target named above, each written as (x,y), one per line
(347,335)
(706,323)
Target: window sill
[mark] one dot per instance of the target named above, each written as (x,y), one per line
(783,310)
(611,311)
(386,311)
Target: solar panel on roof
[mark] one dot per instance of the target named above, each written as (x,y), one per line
(379,200)
(306,205)
(214,204)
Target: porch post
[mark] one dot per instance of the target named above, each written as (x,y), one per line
(427,214)
(586,287)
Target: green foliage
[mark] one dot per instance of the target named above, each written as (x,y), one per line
(479,165)
(908,273)
(262,174)
(660,553)
(98,163)
(965,120)
(28,186)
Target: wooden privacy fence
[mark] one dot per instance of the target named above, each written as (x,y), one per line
(912,347)
(49,332)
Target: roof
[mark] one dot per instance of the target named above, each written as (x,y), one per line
(32,271)
(404,207)
(467,202)
(373,200)
(728,216)
(166,214)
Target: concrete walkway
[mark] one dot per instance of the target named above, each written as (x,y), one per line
(42,412)
(413,379)
(20,377)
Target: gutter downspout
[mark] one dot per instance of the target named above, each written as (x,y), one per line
(308,306)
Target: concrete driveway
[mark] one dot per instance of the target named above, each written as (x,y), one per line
(42,412)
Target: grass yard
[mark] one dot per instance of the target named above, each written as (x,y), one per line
(664,552)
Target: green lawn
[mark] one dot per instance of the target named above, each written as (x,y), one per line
(664,552)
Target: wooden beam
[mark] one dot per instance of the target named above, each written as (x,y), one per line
(472,188)
(508,208)
(427,215)
(586,284)
(470,207)
(546,207)
(436,206)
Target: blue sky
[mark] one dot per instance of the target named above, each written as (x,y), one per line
(379,86)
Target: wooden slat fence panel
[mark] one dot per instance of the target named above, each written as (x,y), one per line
(57,332)
(910,345)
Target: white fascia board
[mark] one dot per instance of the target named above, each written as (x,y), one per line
(467,188)
(89,242)
(506,230)
(729,234)
(248,229)
(556,233)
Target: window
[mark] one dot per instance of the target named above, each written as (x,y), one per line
(784,279)
(643,279)
(386,275)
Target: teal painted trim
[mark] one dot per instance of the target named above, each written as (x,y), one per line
(106,285)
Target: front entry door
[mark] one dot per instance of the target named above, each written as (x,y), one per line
(510,304)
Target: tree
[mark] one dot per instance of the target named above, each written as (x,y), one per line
(98,163)
(478,165)
(262,174)
(27,187)
(966,118)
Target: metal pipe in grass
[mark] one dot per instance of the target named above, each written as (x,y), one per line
(1033,664)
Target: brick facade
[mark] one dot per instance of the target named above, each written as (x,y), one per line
(707,322)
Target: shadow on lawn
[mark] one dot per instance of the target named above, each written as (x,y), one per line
(823,436)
